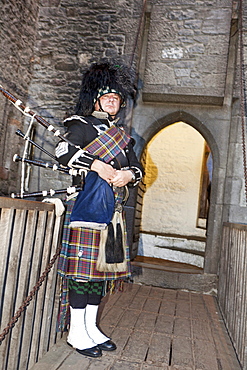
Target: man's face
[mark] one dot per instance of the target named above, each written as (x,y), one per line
(110,103)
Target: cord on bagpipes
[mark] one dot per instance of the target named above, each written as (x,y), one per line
(243,94)
(25,153)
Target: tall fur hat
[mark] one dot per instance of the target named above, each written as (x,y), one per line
(105,77)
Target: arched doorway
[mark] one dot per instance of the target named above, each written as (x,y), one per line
(174,213)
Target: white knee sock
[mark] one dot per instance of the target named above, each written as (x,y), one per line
(78,336)
(90,320)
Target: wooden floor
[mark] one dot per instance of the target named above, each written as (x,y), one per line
(154,328)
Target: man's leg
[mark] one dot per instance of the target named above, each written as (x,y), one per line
(78,336)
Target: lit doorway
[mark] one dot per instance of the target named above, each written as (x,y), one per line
(175,204)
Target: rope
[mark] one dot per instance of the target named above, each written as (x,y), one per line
(26,112)
(25,151)
(27,301)
(138,31)
(243,94)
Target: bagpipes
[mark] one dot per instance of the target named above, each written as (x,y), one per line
(45,193)
(43,164)
(26,111)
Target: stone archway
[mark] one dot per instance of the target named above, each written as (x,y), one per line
(215,214)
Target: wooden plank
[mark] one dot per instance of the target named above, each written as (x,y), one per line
(42,306)
(57,355)
(52,235)
(52,334)
(182,355)
(138,302)
(234,287)
(112,316)
(222,267)
(136,349)
(30,338)
(125,299)
(244,309)
(6,227)
(205,355)
(182,327)
(168,307)
(26,266)
(238,295)
(230,277)
(6,203)
(43,258)
(152,305)
(53,285)
(157,292)
(161,356)
(183,308)
(129,318)
(11,288)
(146,321)
(164,324)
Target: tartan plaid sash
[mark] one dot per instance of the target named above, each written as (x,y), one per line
(109,144)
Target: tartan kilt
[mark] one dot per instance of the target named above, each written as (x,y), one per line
(79,253)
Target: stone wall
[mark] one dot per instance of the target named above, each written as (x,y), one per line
(18,34)
(71,35)
(187,51)
(235,199)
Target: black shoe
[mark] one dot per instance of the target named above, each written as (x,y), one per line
(107,346)
(91,352)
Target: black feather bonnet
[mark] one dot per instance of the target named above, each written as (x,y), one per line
(102,78)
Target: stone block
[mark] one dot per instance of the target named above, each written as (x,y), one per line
(4,173)
(172,280)
(188,46)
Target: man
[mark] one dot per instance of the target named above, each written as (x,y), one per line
(110,103)
(95,259)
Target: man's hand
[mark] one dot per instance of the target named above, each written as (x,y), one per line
(104,170)
(122,178)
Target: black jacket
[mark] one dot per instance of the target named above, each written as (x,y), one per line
(81,131)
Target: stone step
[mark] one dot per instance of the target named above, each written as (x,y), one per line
(165,265)
(172,275)
(184,249)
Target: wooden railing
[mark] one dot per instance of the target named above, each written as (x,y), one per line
(30,234)
(232,292)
